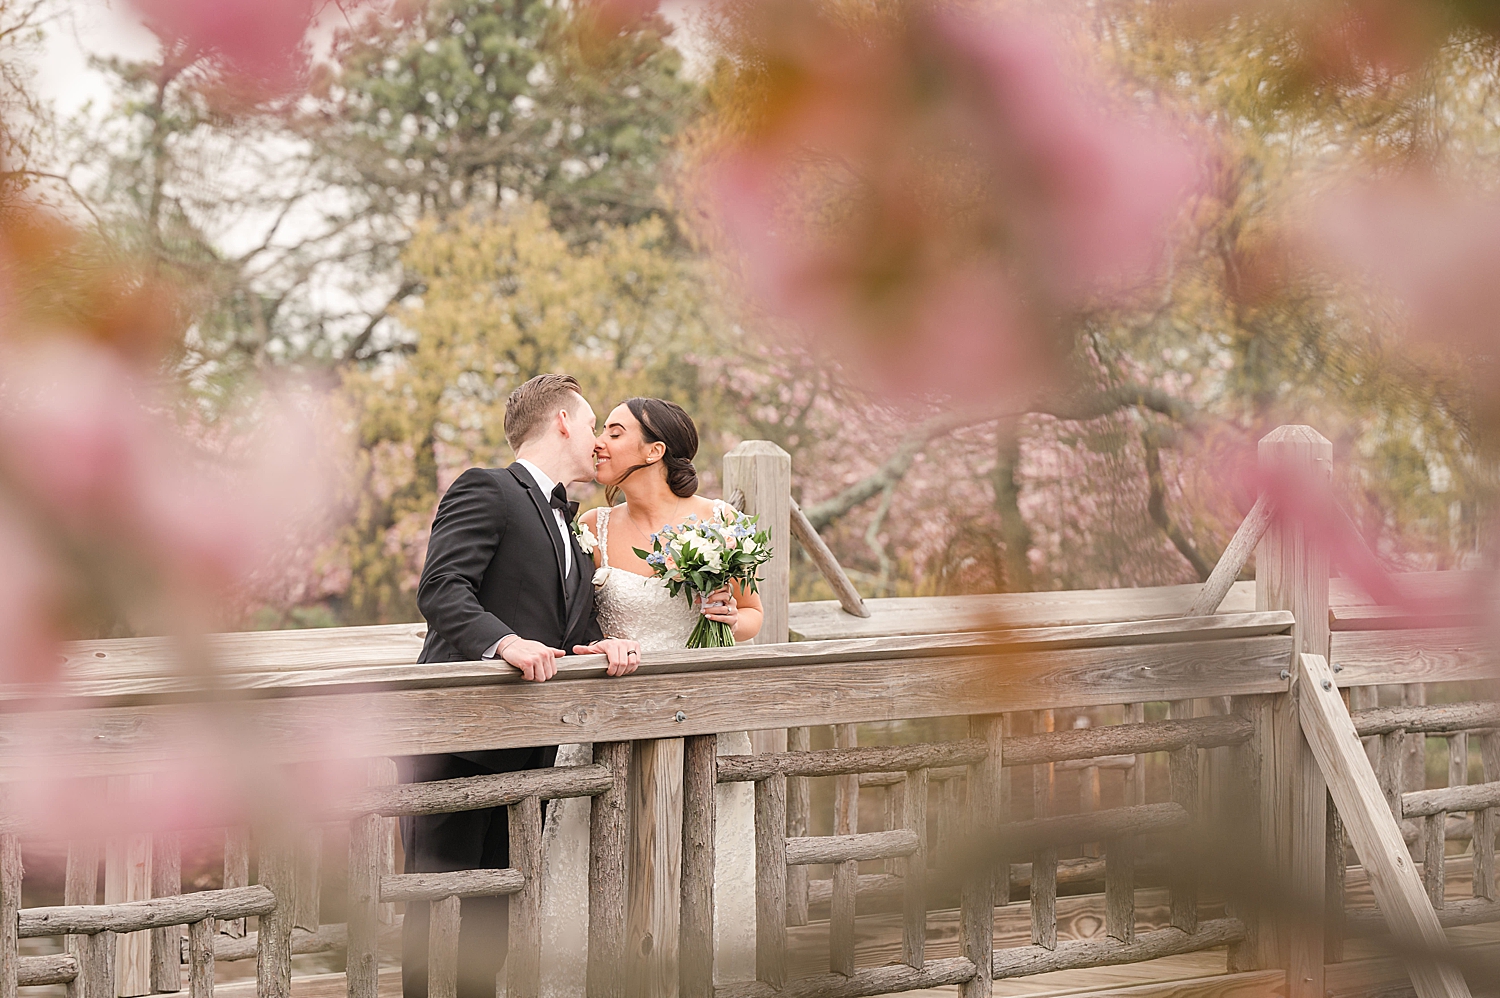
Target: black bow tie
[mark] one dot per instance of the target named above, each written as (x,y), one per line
(560,503)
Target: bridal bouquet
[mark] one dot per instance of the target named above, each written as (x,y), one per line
(702,556)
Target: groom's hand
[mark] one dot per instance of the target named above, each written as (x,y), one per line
(624,655)
(537,662)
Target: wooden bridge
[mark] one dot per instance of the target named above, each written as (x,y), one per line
(1182,791)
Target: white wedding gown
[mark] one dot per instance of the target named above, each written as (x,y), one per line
(639,607)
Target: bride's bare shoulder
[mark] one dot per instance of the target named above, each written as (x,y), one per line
(702,506)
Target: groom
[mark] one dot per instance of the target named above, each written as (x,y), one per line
(504,578)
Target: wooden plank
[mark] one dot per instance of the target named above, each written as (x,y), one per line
(523,965)
(363,959)
(1433,655)
(236,872)
(864,984)
(457,883)
(798,812)
(472,793)
(53,968)
(655,896)
(1023,961)
(1236,553)
(1373,830)
(1248,984)
(770,881)
(1122,739)
(1443,717)
(1473,797)
(277,870)
(607,855)
(914,871)
(761,473)
(814,850)
(468,718)
(696,963)
(140,916)
(1400,618)
(166,942)
(201,959)
(848,759)
(828,566)
(442,948)
(288,651)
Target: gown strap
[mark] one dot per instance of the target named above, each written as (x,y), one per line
(604,534)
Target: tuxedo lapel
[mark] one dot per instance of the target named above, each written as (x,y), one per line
(583,572)
(549,522)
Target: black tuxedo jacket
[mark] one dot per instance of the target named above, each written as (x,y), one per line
(495,567)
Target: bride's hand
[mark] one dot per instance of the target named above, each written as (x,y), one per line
(720,605)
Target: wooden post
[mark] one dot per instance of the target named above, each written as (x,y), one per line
(81,886)
(363,960)
(10,905)
(442,948)
(1485,821)
(770,881)
(1119,890)
(841,918)
(201,959)
(277,871)
(655,901)
(1184,871)
(761,473)
(914,872)
(845,788)
(310,879)
(236,872)
(976,915)
(1292,574)
(607,841)
(127,877)
(98,965)
(523,969)
(798,811)
(166,944)
(699,778)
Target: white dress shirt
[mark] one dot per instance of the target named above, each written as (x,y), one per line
(545,482)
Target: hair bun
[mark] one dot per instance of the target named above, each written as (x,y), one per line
(682,477)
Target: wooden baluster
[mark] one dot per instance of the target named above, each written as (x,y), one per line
(976,917)
(1458,759)
(442,948)
(1391,770)
(166,944)
(523,974)
(277,871)
(201,959)
(1253,835)
(236,872)
(845,788)
(841,918)
(1434,843)
(1044,777)
(363,958)
(1004,811)
(1486,820)
(1414,758)
(383,773)
(1044,897)
(699,778)
(310,879)
(607,845)
(1135,782)
(798,811)
(98,965)
(655,899)
(1119,890)
(914,871)
(10,906)
(1088,800)
(80,886)
(1184,871)
(127,877)
(895,809)
(770,881)
(1333,904)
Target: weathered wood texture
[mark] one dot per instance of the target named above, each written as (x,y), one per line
(1437,718)
(1236,553)
(846,760)
(914,871)
(10,904)
(1473,797)
(696,935)
(863,984)
(1437,654)
(770,881)
(277,870)
(80,886)
(153,913)
(201,959)
(655,897)
(798,815)
(1023,961)
(459,884)
(828,566)
(54,968)
(523,966)
(815,849)
(166,942)
(363,960)
(307,908)
(762,473)
(127,877)
(472,793)
(977,901)
(236,871)
(1373,830)
(608,832)
(442,948)
(327,939)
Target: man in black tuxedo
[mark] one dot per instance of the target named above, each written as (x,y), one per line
(504,578)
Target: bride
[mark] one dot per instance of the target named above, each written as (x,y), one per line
(646,454)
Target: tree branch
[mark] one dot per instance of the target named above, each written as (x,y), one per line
(363,339)
(1156,506)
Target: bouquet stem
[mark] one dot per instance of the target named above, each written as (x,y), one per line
(711,634)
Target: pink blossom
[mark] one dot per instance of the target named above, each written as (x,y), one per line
(259,40)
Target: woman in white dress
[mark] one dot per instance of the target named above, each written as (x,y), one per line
(646,453)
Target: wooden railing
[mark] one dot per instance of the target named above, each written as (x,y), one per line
(1208,737)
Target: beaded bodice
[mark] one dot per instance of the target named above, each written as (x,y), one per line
(639,606)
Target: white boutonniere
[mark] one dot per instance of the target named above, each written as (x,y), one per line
(586,539)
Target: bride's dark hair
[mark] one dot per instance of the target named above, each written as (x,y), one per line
(666,423)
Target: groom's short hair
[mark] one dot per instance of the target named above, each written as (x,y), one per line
(534,401)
